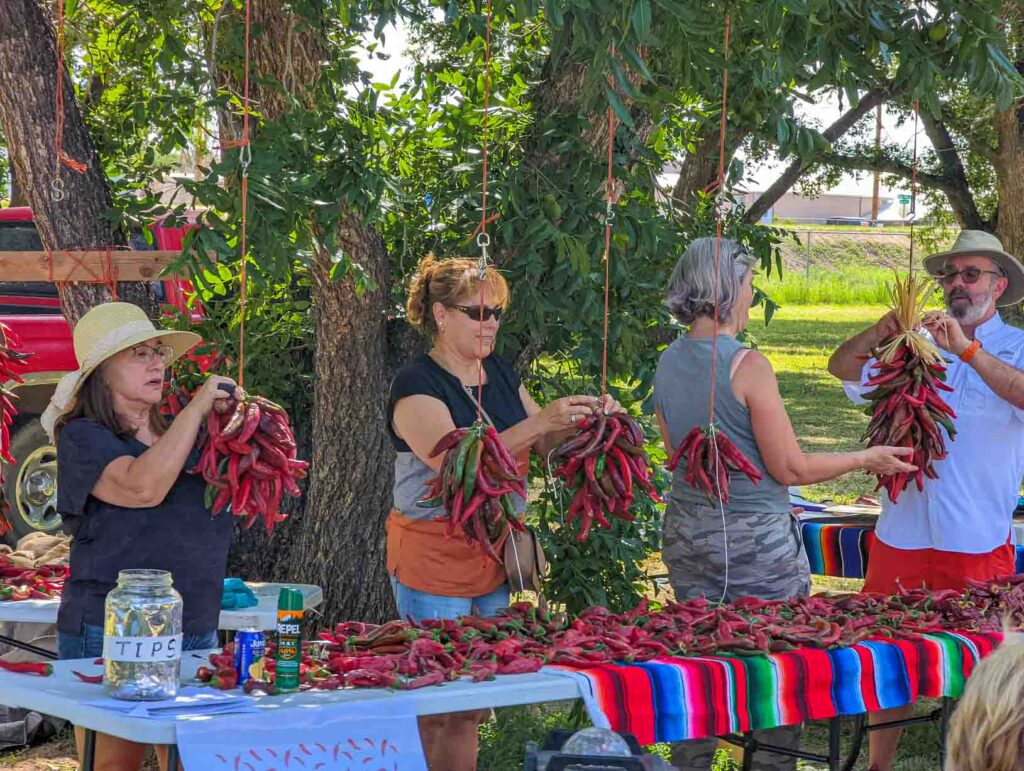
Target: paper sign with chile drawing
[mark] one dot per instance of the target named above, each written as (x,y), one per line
(322,737)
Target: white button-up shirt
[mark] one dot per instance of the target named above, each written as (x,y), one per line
(969,508)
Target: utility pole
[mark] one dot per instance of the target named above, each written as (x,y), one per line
(878,152)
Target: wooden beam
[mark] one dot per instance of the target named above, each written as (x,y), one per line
(86,265)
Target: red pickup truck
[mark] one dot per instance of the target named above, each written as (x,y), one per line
(32,310)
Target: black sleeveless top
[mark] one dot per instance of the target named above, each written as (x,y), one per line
(425,376)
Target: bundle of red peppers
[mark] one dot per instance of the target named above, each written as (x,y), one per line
(602,464)
(249,459)
(12,364)
(710,458)
(478,478)
(905,407)
(402,655)
(20,583)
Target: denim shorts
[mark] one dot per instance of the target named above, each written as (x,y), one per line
(89,644)
(420,605)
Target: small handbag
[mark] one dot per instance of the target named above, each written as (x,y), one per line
(524,560)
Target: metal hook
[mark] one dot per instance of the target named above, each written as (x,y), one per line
(57,189)
(245,156)
(609,212)
(483,240)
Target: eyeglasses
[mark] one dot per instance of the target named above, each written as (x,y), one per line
(473,311)
(970,275)
(143,354)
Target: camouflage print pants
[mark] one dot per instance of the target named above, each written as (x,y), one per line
(766,556)
(766,559)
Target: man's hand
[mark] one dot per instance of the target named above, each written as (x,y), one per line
(888,325)
(946,332)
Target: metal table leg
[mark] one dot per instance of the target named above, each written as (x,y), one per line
(89,750)
(945,712)
(172,758)
(28,647)
(835,757)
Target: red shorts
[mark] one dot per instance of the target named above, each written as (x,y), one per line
(933,569)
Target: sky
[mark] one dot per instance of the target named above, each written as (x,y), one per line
(824,112)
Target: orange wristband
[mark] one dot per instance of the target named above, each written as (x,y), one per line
(972,349)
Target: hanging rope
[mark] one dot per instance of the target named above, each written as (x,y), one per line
(913,192)
(57,184)
(718,219)
(483,238)
(245,159)
(609,215)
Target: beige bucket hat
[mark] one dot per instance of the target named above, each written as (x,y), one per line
(978,243)
(104,331)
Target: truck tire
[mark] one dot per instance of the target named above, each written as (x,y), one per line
(31,485)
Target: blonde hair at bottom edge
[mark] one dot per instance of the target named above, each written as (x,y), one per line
(987,730)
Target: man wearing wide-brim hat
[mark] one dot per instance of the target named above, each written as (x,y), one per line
(961,526)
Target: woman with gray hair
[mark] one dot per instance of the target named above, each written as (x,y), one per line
(750,546)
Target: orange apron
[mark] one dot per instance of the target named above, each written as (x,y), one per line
(424,558)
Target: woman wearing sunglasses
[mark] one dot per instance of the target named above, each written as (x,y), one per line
(434,576)
(123,490)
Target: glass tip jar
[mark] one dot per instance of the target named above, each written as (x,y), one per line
(142,637)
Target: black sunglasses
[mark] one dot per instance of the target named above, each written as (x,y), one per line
(970,275)
(474,312)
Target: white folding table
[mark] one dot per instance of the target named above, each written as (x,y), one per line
(62,695)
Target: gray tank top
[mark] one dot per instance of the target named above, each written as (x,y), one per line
(682,395)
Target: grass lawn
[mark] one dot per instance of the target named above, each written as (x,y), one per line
(798,343)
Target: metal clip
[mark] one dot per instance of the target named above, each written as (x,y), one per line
(609,212)
(57,189)
(483,240)
(245,156)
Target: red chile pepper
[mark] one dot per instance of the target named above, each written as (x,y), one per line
(28,667)
(88,678)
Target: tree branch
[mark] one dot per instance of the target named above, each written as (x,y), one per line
(956,190)
(959,193)
(844,123)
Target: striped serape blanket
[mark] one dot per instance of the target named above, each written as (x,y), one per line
(677,698)
(841,550)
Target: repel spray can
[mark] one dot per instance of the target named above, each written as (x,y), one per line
(290,605)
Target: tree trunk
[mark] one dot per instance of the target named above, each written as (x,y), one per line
(1009,166)
(337,540)
(28,86)
(700,167)
(342,542)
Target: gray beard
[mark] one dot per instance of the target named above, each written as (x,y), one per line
(973,313)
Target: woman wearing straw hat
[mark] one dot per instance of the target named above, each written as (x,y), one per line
(123,490)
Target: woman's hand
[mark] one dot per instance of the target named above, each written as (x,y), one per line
(211,392)
(883,460)
(565,413)
(608,405)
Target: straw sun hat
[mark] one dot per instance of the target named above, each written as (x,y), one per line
(102,332)
(978,243)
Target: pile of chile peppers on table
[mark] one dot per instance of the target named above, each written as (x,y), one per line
(602,464)
(12,364)
(21,583)
(710,457)
(907,411)
(400,655)
(475,486)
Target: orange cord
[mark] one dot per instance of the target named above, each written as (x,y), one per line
(62,157)
(481,229)
(718,216)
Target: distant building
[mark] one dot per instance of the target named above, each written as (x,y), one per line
(851,198)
